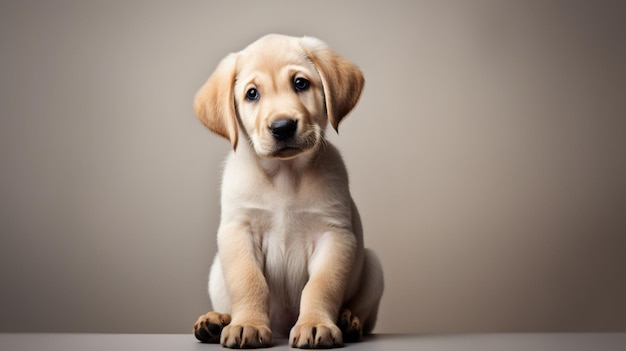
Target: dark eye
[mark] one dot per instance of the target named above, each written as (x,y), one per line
(300,84)
(252,94)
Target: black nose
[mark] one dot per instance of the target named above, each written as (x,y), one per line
(283,129)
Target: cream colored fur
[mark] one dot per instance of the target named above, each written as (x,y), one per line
(290,256)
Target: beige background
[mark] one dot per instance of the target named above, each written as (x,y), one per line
(487,156)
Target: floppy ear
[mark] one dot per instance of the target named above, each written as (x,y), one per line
(342,79)
(214,103)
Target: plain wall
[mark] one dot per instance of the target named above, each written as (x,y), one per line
(487,156)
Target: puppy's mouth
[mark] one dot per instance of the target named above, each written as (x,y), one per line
(292,148)
(287,152)
(289,148)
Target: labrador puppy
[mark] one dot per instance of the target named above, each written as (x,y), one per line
(290,256)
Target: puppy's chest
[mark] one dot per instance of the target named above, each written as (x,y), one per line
(287,226)
(286,239)
(289,216)
(287,231)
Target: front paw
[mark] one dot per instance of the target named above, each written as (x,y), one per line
(318,335)
(246,336)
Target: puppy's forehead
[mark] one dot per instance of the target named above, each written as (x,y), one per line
(272,53)
(275,40)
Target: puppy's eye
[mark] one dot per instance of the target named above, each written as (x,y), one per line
(252,94)
(300,84)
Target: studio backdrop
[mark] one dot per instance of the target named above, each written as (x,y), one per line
(486,155)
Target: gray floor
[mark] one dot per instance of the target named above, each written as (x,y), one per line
(182,342)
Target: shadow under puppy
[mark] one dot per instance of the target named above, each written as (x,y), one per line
(290,244)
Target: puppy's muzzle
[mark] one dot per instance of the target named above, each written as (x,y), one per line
(283,129)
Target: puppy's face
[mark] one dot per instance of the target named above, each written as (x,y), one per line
(279,98)
(279,93)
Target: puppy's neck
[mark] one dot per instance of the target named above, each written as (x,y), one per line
(287,173)
(294,166)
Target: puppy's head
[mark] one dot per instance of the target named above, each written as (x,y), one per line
(280,92)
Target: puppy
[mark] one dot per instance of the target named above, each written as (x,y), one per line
(290,256)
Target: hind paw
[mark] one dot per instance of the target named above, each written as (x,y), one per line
(209,326)
(350,326)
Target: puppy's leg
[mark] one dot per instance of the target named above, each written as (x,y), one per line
(241,262)
(360,313)
(218,292)
(329,270)
(208,327)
